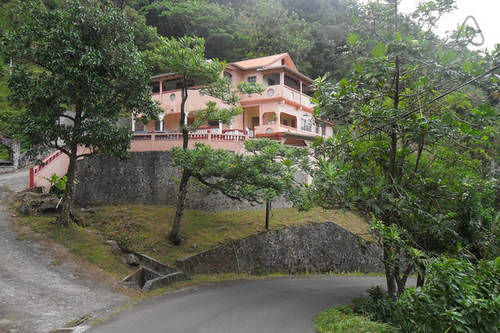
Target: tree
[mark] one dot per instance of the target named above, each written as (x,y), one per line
(267,28)
(186,57)
(410,148)
(205,19)
(76,70)
(267,170)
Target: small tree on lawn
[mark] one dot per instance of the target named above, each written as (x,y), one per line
(412,151)
(186,57)
(76,69)
(266,171)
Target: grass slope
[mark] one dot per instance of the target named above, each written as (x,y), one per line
(144,228)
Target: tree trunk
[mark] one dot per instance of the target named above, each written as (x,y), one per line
(389,272)
(66,216)
(268,211)
(421,277)
(174,235)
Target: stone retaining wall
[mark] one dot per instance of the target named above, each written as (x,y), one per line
(146,178)
(317,247)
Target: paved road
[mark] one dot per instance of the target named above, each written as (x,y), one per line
(273,305)
(36,295)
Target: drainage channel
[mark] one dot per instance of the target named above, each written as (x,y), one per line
(152,274)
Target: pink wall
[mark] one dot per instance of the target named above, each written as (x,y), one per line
(56,163)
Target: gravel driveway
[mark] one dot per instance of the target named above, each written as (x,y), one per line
(36,293)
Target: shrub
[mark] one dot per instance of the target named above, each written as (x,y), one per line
(457,297)
(378,306)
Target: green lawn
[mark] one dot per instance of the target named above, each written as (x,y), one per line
(341,319)
(144,228)
(4,153)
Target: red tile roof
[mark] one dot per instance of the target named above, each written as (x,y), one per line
(265,61)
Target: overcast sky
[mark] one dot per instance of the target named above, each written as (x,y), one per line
(486,12)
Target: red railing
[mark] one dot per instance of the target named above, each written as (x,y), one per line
(34,170)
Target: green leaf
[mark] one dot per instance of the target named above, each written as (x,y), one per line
(448,57)
(380,50)
(352,39)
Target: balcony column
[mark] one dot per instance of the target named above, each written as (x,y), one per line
(161,92)
(300,96)
(133,123)
(220,127)
(162,116)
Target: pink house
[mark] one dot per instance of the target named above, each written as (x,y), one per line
(282,112)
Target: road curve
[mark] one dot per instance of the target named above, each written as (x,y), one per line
(272,305)
(37,294)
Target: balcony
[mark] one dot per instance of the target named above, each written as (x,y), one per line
(171,100)
(229,140)
(278,92)
(268,129)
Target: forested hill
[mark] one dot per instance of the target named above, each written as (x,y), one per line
(313,32)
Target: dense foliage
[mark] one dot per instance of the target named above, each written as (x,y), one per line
(410,151)
(311,31)
(457,297)
(75,69)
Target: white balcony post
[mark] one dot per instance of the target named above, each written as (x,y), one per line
(133,123)
(160,117)
(300,96)
(220,127)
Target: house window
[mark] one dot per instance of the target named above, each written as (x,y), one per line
(307,90)
(228,76)
(292,123)
(285,122)
(306,125)
(139,126)
(292,83)
(157,125)
(172,84)
(271,79)
(323,129)
(213,123)
(155,87)
(252,79)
